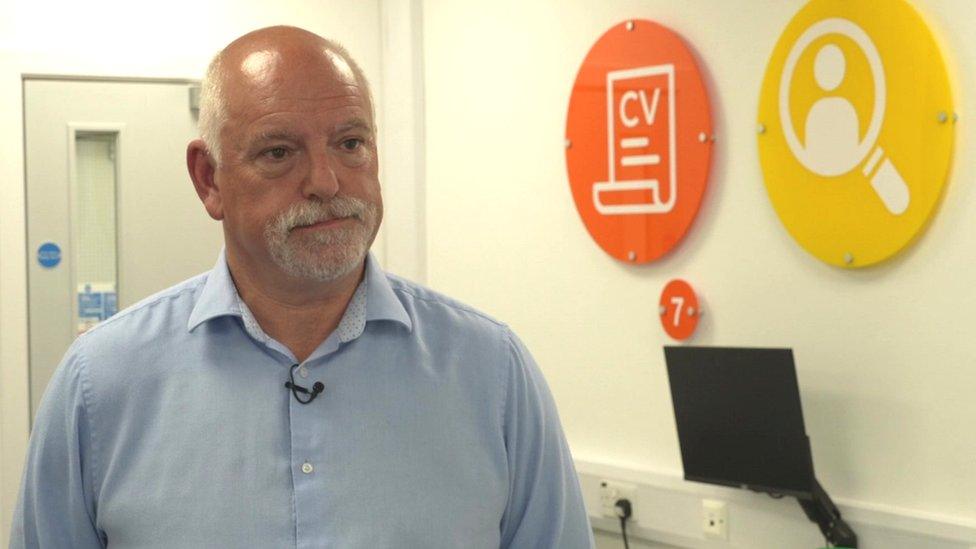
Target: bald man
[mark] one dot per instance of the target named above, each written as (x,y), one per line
(296,395)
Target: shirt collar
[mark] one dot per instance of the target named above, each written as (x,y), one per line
(381,302)
(219,297)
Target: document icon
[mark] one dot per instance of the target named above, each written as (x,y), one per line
(640,143)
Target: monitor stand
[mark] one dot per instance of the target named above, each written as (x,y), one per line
(820,509)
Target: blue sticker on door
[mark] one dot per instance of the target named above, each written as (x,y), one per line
(49,255)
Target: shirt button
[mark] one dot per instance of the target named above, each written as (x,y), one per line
(307,468)
(303,371)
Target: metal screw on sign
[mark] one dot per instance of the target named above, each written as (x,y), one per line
(943,117)
(662,310)
(632,256)
(568,143)
(761,129)
(848,258)
(702,137)
(630,25)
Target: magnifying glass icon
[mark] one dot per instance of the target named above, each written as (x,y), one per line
(885,179)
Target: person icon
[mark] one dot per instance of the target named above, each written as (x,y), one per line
(832,127)
(832,144)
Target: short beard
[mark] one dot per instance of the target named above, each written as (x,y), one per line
(325,255)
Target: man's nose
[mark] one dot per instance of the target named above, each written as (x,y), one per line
(321,180)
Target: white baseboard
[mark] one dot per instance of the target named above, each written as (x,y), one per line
(668,511)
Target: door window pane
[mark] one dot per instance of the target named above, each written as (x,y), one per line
(94,228)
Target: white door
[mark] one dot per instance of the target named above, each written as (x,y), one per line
(111,213)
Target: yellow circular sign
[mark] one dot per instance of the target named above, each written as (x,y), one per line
(855,128)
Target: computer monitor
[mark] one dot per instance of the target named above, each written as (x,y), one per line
(739,418)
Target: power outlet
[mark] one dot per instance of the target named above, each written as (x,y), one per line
(715,519)
(611,491)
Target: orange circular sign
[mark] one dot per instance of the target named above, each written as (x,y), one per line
(679,309)
(638,140)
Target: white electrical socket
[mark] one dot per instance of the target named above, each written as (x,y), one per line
(611,491)
(715,519)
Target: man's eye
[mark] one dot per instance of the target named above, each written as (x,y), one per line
(352,144)
(276,153)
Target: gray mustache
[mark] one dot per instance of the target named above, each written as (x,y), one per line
(310,213)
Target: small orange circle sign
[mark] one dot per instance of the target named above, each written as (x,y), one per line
(638,141)
(679,309)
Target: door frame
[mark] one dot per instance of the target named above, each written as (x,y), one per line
(15,401)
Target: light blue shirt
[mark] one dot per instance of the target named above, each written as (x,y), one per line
(169,425)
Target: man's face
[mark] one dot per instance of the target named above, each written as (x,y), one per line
(298,181)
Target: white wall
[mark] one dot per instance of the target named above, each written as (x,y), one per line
(886,360)
(116,38)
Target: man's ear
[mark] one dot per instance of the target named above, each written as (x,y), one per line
(202,168)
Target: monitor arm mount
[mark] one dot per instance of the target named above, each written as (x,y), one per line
(820,509)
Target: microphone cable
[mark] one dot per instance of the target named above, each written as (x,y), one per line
(317,388)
